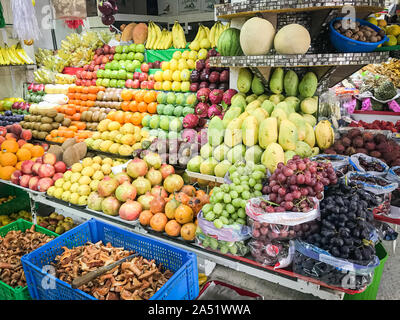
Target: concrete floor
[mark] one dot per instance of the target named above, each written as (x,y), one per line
(389,287)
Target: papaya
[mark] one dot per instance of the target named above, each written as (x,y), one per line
(233,133)
(276,81)
(230,115)
(251,98)
(260,114)
(262,98)
(310,135)
(299,122)
(288,135)
(308,85)
(244,81)
(239,101)
(309,105)
(289,155)
(293,102)
(250,131)
(253,106)
(257,86)
(280,115)
(268,106)
(291,83)
(254,154)
(268,132)
(273,155)
(215,131)
(303,149)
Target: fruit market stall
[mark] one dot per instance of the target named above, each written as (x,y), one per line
(225,149)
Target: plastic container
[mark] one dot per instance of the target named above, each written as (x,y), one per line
(372,290)
(18,293)
(183,285)
(20,202)
(345,44)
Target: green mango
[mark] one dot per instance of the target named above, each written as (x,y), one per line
(294,102)
(239,101)
(262,98)
(257,86)
(308,85)
(251,98)
(268,106)
(244,81)
(276,81)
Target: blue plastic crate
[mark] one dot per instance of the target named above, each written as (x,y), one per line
(183,285)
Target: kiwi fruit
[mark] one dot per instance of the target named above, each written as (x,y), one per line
(36,126)
(66,122)
(35,133)
(42,135)
(46,120)
(55,125)
(95,116)
(81,148)
(59,117)
(51,113)
(46,127)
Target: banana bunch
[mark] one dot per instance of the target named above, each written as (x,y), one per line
(218,29)
(178,36)
(42,54)
(14,55)
(166,40)
(154,36)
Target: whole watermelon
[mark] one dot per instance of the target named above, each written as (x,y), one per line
(229,43)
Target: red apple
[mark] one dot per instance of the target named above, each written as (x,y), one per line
(78,82)
(96,68)
(111,57)
(45,184)
(60,166)
(79,74)
(143,77)
(151,77)
(57,176)
(84,73)
(129,83)
(150,85)
(24,180)
(33,183)
(46,171)
(86,67)
(145,67)
(143,85)
(104,60)
(89,75)
(136,75)
(45,146)
(35,168)
(106,49)
(136,84)
(26,166)
(112,50)
(16,176)
(93,82)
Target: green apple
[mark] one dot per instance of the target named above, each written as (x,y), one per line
(132,48)
(125,49)
(108,66)
(130,67)
(139,56)
(118,49)
(122,65)
(140,48)
(129,75)
(162,98)
(146,120)
(164,123)
(178,111)
(114,74)
(171,98)
(136,64)
(124,56)
(160,108)
(120,83)
(99,82)
(105,83)
(122,75)
(180,99)
(117,56)
(107,73)
(114,65)
(113,83)
(191,99)
(154,122)
(175,125)
(169,110)
(100,73)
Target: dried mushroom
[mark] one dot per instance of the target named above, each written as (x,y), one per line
(135,279)
(13,246)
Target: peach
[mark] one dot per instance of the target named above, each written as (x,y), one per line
(44,184)
(33,183)
(21,142)
(26,166)
(26,135)
(46,171)
(11,136)
(39,160)
(60,166)
(16,176)
(24,180)
(50,158)
(58,175)
(35,168)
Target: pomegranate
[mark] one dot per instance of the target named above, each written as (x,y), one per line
(122,177)
(166,170)
(173,183)
(159,191)
(110,206)
(154,176)
(44,184)
(107,186)
(137,168)
(153,160)
(95,201)
(130,210)
(142,185)
(125,192)
(145,200)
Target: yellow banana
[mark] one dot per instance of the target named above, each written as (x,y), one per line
(149,37)
(159,35)
(212,35)
(7,54)
(154,36)
(2,62)
(207,31)
(198,34)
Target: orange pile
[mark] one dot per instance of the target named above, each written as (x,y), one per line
(12,156)
(75,130)
(127,117)
(139,101)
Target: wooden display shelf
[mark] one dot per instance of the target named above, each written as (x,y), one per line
(249,8)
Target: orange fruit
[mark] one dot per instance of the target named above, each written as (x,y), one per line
(23,154)
(142,106)
(10,146)
(8,159)
(133,106)
(6,172)
(37,151)
(125,106)
(152,107)
(127,95)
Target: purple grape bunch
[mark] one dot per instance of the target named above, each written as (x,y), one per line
(294,186)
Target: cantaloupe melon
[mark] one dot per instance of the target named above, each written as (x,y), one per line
(139,34)
(256,36)
(292,39)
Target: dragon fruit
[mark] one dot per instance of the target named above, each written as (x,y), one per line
(190,121)
(201,109)
(214,110)
(224,76)
(203,94)
(228,95)
(216,96)
(189,135)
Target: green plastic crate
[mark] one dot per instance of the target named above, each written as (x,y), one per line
(19,293)
(21,202)
(372,290)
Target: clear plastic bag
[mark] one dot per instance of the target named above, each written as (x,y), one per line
(70,9)
(316,263)
(230,233)
(335,159)
(25,24)
(272,253)
(392,175)
(384,231)
(355,162)
(237,248)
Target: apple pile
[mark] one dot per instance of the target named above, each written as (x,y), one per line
(14,131)
(88,76)
(206,77)
(41,174)
(141,80)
